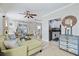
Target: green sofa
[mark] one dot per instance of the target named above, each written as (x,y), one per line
(27,48)
(33,46)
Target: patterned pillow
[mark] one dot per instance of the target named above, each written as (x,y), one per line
(12,37)
(11,43)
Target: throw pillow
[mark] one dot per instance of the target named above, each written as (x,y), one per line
(11,43)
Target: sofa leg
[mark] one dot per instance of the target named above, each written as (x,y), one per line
(40,50)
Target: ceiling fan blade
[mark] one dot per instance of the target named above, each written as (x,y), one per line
(33,14)
(25,16)
(22,13)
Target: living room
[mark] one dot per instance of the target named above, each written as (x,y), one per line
(25,28)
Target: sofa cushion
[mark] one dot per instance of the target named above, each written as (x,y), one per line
(20,51)
(2,44)
(32,44)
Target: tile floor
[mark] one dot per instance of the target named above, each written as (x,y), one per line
(52,49)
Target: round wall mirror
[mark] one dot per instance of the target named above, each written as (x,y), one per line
(69,21)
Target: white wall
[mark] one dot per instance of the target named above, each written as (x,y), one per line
(45,30)
(71,10)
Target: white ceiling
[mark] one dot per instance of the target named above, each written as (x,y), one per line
(40,8)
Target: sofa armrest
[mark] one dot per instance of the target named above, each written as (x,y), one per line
(19,51)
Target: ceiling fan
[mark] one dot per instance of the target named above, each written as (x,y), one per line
(28,14)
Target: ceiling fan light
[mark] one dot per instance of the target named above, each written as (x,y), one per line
(3,16)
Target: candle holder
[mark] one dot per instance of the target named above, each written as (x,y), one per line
(68,22)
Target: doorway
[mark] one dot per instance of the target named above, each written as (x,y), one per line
(54,29)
